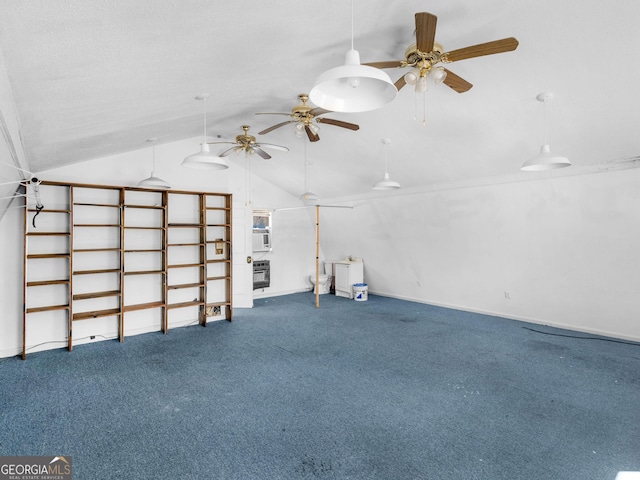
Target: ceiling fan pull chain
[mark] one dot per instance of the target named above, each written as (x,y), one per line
(424,109)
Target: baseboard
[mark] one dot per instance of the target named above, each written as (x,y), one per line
(103,337)
(537,321)
(279,294)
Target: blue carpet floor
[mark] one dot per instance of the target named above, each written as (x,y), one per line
(382,389)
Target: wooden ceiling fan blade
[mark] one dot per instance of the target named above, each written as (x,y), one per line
(228,151)
(455,82)
(261,152)
(401,82)
(338,123)
(489,48)
(425,31)
(313,137)
(271,145)
(271,129)
(318,111)
(385,64)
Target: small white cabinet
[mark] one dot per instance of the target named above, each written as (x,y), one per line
(346,275)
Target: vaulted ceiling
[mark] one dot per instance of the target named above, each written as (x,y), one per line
(91,78)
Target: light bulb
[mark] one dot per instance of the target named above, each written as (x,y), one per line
(438,74)
(354,82)
(314,128)
(412,76)
(421,85)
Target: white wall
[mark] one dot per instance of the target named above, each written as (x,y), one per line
(563,249)
(292,256)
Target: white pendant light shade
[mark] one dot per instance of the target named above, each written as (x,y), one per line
(204,159)
(353,87)
(309,198)
(545,160)
(152,181)
(386,183)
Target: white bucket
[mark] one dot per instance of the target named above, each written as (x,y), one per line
(360,291)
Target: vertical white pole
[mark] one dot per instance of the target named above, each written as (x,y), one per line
(317,256)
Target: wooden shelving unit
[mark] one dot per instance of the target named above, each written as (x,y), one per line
(127,249)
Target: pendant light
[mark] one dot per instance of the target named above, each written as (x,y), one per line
(204,159)
(308,197)
(353,87)
(386,183)
(153,181)
(545,160)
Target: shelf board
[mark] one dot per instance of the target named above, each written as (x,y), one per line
(145,272)
(95,225)
(86,296)
(186,265)
(43,283)
(47,309)
(219,278)
(86,250)
(153,207)
(218,224)
(143,306)
(146,250)
(184,285)
(92,272)
(44,210)
(186,225)
(185,244)
(129,227)
(219,208)
(43,234)
(48,255)
(222,260)
(97,204)
(96,313)
(185,304)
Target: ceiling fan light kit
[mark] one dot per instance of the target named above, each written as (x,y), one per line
(249,144)
(545,160)
(204,159)
(152,181)
(306,119)
(423,56)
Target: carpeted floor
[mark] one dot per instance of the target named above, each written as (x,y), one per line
(382,389)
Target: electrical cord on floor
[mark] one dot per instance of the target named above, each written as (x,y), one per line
(583,338)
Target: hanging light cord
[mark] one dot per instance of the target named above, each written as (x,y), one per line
(306,167)
(351,24)
(204,103)
(544,121)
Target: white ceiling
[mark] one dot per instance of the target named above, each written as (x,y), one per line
(93,78)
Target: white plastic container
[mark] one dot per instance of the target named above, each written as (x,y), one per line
(360,292)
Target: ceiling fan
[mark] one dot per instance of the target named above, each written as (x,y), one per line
(248,143)
(423,56)
(306,119)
